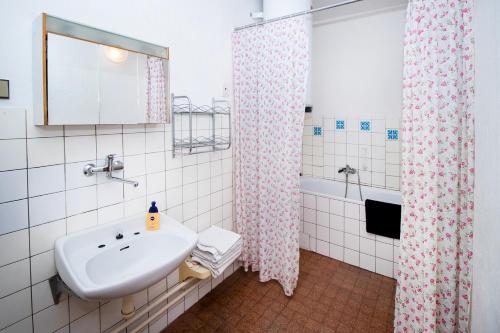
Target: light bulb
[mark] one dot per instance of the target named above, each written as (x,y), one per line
(115,55)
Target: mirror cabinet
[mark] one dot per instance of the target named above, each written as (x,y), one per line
(84,75)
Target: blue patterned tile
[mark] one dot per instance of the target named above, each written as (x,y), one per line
(340,124)
(364,125)
(392,134)
(317,130)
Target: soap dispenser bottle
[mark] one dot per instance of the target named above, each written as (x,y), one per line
(153,218)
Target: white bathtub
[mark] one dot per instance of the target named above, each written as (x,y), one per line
(336,190)
(335,226)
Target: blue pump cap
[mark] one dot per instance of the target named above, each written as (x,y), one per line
(153,208)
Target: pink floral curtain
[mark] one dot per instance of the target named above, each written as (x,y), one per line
(434,281)
(156,99)
(270,77)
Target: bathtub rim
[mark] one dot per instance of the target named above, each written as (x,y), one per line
(336,197)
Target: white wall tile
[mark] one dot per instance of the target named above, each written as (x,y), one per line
(12,123)
(47,208)
(155,162)
(322,247)
(337,207)
(367,246)
(384,267)
(189,192)
(81,221)
(310,229)
(13,185)
(15,307)
(134,144)
(46,180)
(337,222)
(352,226)
(309,201)
(109,194)
(13,154)
(309,215)
(155,182)
(13,216)
(336,252)
(109,144)
(131,192)
(322,204)
(337,237)
(23,326)
(174,197)
(75,177)
(42,237)
(351,257)
(351,242)
(216,184)
(86,324)
(45,151)
(134,165)
(110,213)
(42,267)
(52,318)
(367,262)
(155,142)
(42,296)
(322,233)
(189,174)
(173,178)
(80,148)
(14,277)
(323,219)
(14,246)
(352,210)
(384,251)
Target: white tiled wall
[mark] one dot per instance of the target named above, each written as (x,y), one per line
(337,229)
(377,158)
(45,195)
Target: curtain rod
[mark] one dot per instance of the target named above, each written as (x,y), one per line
(311,11)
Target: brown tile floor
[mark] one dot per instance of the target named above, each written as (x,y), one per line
(331,296)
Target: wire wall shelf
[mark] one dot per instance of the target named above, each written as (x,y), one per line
(195,141)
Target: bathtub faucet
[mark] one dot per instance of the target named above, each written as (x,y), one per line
(347,170)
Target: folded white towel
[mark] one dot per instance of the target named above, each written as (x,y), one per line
(219,267)
(217,240)
(216,257)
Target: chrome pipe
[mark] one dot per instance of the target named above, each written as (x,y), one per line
(311,11)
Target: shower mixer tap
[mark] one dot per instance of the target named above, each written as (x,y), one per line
(347,170)
(111,165)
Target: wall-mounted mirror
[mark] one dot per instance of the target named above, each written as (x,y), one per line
(84,75)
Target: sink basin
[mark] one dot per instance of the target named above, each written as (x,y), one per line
(97,265)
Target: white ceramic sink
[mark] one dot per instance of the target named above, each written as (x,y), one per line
(122,266)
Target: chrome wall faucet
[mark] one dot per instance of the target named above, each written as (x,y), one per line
(348,170)
(110,166)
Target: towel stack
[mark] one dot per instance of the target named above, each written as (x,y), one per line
(217,249)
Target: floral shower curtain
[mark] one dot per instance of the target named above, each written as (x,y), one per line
(270,77)
(434,281)
(156,99)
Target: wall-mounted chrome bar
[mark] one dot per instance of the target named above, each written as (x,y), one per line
(311,11)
